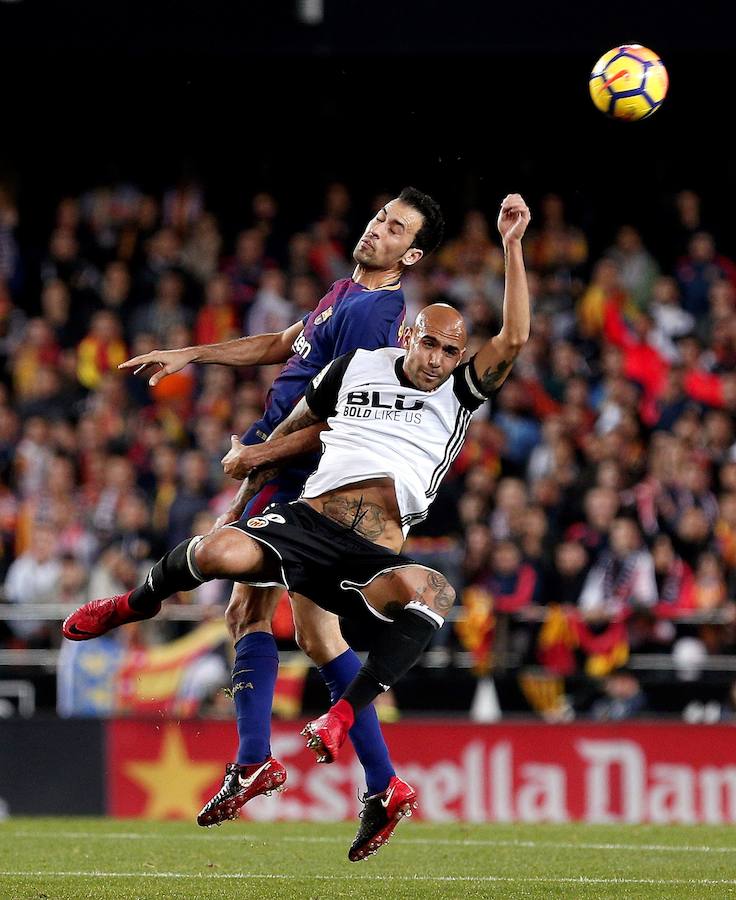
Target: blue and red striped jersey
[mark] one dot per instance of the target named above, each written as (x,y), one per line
(349,317)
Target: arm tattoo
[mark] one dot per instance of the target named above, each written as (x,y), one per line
(368,519)
(299,418)
(492,378)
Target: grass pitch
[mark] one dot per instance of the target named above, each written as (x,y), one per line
(60,859)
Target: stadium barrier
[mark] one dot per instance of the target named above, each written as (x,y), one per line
(642,772)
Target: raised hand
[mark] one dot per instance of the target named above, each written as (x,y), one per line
(513,218)
(168,361)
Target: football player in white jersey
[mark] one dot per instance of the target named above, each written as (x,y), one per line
(396,422)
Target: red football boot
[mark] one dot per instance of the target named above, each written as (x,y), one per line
(328,733)
(238,788)
(100,616)
(380,815)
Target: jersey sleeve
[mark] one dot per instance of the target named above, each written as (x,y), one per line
(322,391)
(467,387)
(369,326)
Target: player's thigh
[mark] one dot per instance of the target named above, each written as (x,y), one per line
(393,590)
(251,608)
(230,553)
(317,630)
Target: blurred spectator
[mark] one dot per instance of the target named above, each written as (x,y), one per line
(671,321)
(675,583)
(520,430)
(216,320)
(245,268)
(564,583)
(9,250)
(699,269)
(101,351)
(115,288)
(623,577)
(271,311)
(191,497)
(165,311)
(637,267)
(33,578)
(554,245)
(623,698)
(38,347)
(200,255)
(710,585)
(512,582)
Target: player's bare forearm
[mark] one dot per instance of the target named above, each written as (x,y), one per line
(247,490)
(279,450)
(296,435)
(257,350)
(254,350)
(302,416)
(494,360)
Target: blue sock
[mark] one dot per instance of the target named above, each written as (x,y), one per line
(254,679)
(365,734)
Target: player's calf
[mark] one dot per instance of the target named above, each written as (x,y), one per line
(396,650)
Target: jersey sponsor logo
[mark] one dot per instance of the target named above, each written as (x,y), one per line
(323,316)
(302,346)
(381,405)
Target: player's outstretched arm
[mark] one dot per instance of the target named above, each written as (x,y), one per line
(255,350)
(494,360)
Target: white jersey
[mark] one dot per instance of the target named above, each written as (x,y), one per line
(383,426)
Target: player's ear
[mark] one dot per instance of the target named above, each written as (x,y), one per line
(406,336)
(412,256)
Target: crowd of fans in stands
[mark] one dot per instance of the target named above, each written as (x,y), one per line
(602,483)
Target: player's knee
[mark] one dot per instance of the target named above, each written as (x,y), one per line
(306,640)
(208,557)
(435,594)
(320,649)
(449,594)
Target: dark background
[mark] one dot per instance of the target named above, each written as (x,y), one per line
(465,100)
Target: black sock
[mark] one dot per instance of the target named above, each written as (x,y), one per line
(176,571)
(395,651)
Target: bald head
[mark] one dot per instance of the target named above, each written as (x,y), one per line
(435,347)
(442,319)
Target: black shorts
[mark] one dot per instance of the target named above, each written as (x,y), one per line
(319,558)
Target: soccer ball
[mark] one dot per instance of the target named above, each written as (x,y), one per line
(629,82)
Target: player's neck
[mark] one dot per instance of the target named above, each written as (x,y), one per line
(375,279)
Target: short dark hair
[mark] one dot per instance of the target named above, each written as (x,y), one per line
(430,234)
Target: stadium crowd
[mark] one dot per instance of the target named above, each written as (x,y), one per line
(592,512)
